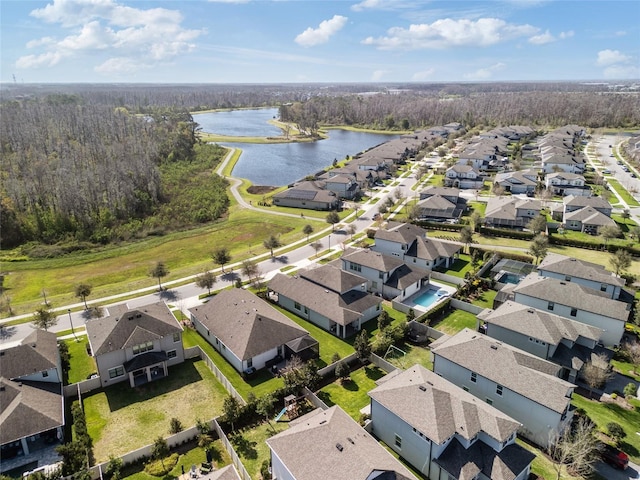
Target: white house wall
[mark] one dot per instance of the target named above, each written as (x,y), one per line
(539,422)
(50,375)
(278,469)
(613,291)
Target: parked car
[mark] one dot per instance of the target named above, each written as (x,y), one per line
(614,457)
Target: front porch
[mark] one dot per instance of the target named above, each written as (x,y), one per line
(146,368)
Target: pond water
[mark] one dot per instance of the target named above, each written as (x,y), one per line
(282,163)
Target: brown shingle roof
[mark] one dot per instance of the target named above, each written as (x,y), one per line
(331,445)
(332,277)
(37,352)
(245,323)
(575,267)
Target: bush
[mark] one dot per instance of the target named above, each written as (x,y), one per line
(264,470)
(614,395)
(616,431)
(176,426)
(160,468)
(630,390)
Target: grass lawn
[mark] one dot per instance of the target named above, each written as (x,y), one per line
(352,395)
(622,192)
(260,384)
(192,456)
(456,321)
(81,364)
(414,354)
(603,413)
(543,466)
(251,446)
(460,267)
(121,418)
(486,299)
(627,369)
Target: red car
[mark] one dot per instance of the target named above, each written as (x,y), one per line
(614,457)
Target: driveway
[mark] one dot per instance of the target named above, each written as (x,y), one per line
(610,473)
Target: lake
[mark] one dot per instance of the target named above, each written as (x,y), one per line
(282,163)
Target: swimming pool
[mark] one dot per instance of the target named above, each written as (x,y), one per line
(430,297)
(508,277)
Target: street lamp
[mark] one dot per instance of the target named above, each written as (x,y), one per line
(329,237)
(71,322)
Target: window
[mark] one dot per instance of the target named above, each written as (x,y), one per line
(250,363)
(499,390)
(550,306)
(355,267)
(116,372)
(567,278)
(45,374)
(381,275)
(374,284)
(603,287)
(176,337)
(398,441)
(474,377)
(143,347)
(574,312)
(489,401)
(377,307)
(296,305)
(465,388)
(172,354)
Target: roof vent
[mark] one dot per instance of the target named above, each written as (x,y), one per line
(495,347)
(562,283)
(430,383)
(131,317)
(339,447)
(530,310)
(423,388)
(351,441)
(2,388)
(323,422)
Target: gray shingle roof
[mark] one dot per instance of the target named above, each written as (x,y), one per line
(225,473)
(571,294)
(439,409)
(538,323)
(331,445)
(465,464)
(28,408)
(245,323)
(514,369)
(582,201)
(125,327)
(341,308)
(400,232)
(431,249)
(331,276)
(37,352)
(575,267)
(589,216)
(372,259)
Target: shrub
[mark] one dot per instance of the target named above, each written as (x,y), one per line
(616,431)
(614,395)
(176,426)
(335,357)
(160,468)
(264,470)
(630,390)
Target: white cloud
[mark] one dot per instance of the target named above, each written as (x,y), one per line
(130,36)
(610,57)
(119,66)
(547,37)
(485,73)
(316,36)
(377,75)
(383,5)
(621,72)
(567,34)
(229,1)
(446,33)
(423,75)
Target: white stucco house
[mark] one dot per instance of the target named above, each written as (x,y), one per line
(443,431)
(523,386)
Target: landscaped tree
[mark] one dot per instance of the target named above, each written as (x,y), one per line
(221,256)
(625,214)
(342,371)
(231,410)
(539,247)
(630,390)
(466,236)
(175,426)
(114,467)
(44,318)
(206,280)
(82,291)
(616,431)
(351,230)
(158,271)
(362,346)
(596,372)
(577,449)
(620,260)
(635,232)
(204,434)
(333,218)
(316,247)
(271,243)
(264,407)
(631,348)
(160,450)
(251,270)
(538,224)
(383,320)
(307,230)
(609,232)
(475,220)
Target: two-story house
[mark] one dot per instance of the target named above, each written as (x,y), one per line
(463,176)
(517,383)
(307,194)
(441,203)
(31,400)
(564,183)
(564,342)
(248,332)
(511,211)
(411,244)
(329,444)
(585,273)
(585,214)
(387,275)
(443,431)
(136,344)
(327,296)
(518,182)
(575,302)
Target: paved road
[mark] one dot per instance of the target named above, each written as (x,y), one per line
(610,473)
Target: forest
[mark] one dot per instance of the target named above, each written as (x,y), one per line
(87,165)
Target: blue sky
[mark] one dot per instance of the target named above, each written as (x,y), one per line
(277,41)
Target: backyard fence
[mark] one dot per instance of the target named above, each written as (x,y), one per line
(81,387)
(330,369)
(447,278)
(219,375)
(382,363)
(314,399)
(244,475)
(466,306)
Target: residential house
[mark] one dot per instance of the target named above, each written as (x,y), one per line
(137,344)
(443,431)
(307,194)
(585,273)
(564,183)
(410,243)
(344,185)
(31,399)
(585,214)
(565,342)
(225,473)
(463,176)
(328,297)
(518,182)
(386,275)
(329,444)
(576,302)
(570,163)
(511,211)
(517,383)
(248,332)
(441,203)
